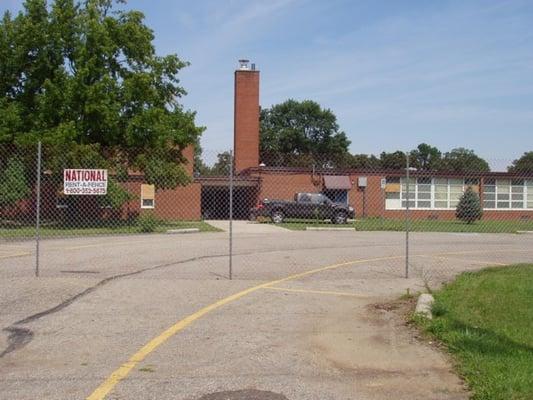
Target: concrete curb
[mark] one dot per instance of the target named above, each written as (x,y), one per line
(311,228)
(184,230)
(525,232)
(423,305)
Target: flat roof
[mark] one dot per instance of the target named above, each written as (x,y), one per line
(223,181)
(383,172)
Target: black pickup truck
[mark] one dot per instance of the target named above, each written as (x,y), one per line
(304,206)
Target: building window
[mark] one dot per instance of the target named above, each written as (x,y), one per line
(507,194)
(529,193)
(444,193)
(147,196)
(392,193)
(426,193)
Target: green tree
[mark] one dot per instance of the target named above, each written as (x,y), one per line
(394,161)
(362,161)
(293,130)
(523,165)
(13,184)
(84,77)
(116,196)
(222,166)
(200,167)
(426,157)
(219,168)
(463,160)
(469,207)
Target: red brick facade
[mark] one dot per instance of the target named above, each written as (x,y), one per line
(246,119)
(284,183)
(368,202)
(181,203)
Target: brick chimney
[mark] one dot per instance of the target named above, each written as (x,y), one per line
(246,116)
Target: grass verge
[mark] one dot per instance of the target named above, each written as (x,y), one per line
(382,224)
(485,320)
(119,227)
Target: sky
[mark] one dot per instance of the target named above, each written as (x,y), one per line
(395,73)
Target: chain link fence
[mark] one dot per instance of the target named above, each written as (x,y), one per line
(294,213)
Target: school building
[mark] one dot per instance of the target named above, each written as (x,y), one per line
(372,193)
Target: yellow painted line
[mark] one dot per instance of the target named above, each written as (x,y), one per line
(458,253)
(488,264)
(120,373)
(123,371)
(16,255)
(101,244)
(85,246)
(16,246)
(465,260)
(326,292)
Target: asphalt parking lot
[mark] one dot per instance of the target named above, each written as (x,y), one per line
(155,317)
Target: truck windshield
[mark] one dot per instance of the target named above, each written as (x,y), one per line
(325,200)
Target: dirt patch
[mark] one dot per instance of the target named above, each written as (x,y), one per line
(403,309)
(376,345)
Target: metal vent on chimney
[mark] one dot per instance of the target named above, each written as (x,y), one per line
(243,65)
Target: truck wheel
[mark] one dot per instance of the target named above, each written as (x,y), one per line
(340,218)
(277,216)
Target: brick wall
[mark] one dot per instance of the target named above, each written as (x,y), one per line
(283,185)
(246,119)
(181,203)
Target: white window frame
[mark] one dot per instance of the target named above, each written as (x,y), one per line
(142,199)
(413,190)
(510,193)
(147,207)
(528,183)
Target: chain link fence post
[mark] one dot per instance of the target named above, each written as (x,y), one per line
(407,215)
(231,165)
(38,210)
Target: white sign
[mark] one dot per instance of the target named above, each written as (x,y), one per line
(383,183)
(85,181)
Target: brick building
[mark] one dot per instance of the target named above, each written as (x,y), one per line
(371,193)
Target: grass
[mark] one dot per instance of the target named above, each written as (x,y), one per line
(485,320)
(421,225)
(50,229)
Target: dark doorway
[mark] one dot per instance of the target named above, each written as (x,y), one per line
(215,202)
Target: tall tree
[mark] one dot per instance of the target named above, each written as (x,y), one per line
(362,161)
(221,167)
(293,130)
(426,157)
(396,160)
(524,164)
(84,77)
(463,160)
(13,184)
